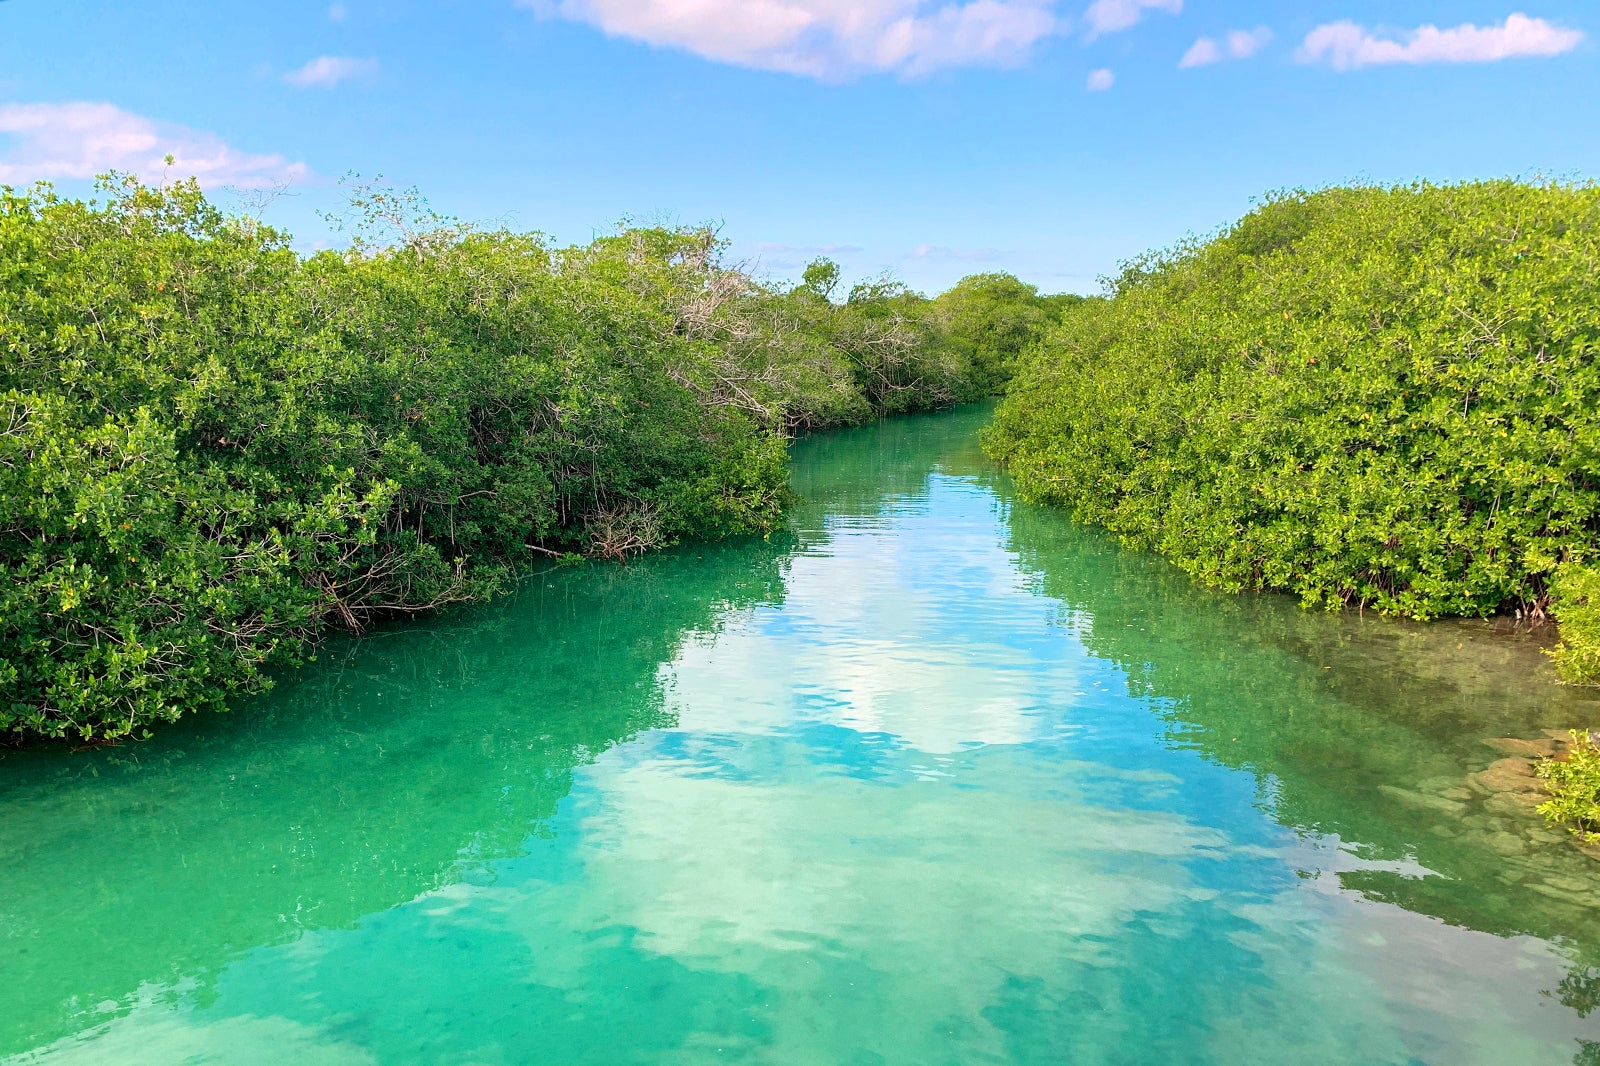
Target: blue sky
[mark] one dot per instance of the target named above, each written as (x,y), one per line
(930,138)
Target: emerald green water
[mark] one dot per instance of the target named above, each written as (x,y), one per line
(936,777)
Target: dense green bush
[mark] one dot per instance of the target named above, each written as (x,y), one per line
(1576,599)
(880,351)
(1574,787)
(1385,397)
(991,319)
(212,448)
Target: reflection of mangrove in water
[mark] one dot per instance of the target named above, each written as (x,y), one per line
(395,766)
(426,756)
(1360,727)
(341,794)
(1369,729)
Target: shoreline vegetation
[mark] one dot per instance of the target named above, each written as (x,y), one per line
(1374,397)
(213,449)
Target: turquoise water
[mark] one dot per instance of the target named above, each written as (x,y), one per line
(935,777)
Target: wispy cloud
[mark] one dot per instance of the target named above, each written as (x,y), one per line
(829,39)
(1101,80)
(80,140)
(1202,53)
(1239,44)
(324,72)
(1348,46)
(938,251)
(1111,16)
(766,248)
(338,13)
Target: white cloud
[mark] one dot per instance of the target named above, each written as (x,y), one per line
(1101,80)
(324,72)
(1242,44)
(1239,44)
(81,140)
(1347,45)
(1202,53)
(937,251)
(825,38)
(1110,16)
(338,13)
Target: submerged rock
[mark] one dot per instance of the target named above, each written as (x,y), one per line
(1581,899)
(1526,748)
(1517,804)
(1507,843)
(1422,800)
(1568,884)
(1512,775)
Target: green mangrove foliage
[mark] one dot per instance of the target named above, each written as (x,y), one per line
(1574,787)
(1384,397)
(213,448)
(1575,596)
(991,319)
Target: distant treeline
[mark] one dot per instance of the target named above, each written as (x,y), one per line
(1385,397)
(213,448)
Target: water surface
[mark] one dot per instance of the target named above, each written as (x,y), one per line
(934,777)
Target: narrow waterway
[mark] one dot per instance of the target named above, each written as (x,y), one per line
(934,777)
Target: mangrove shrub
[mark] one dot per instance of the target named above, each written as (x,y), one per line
(213,448)
(991,319)
(1574,787)
(1374,396)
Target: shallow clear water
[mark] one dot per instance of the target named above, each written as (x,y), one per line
(936,777)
